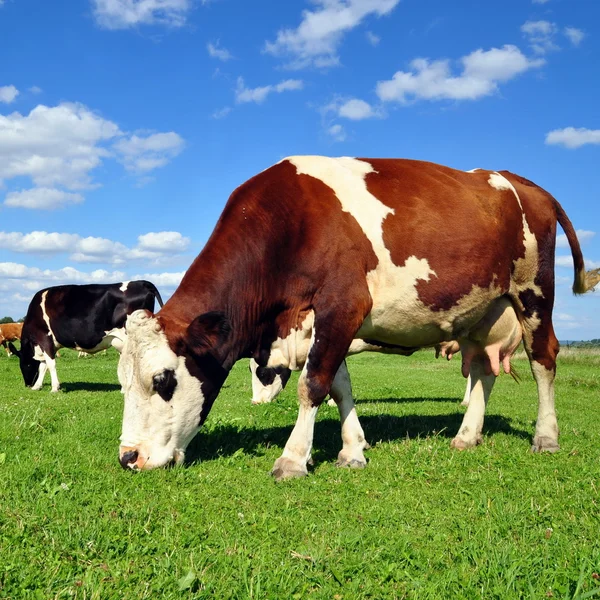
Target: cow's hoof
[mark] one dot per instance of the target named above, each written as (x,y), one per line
(285,468)
(255,402)
(352,462)
(55,391)
(464,403)
(331,402)
(544,444)
(462,444)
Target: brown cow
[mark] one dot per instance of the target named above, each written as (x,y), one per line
(10,332)
(397,253)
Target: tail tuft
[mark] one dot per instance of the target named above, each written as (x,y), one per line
(592,278)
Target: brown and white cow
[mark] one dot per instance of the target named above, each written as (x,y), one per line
(393,252)
(88,318)
(10,332)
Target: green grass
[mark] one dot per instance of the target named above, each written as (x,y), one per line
(421,521)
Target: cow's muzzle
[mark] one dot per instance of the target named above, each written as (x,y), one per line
(129,460)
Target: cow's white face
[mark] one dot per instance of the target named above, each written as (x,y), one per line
(163,401)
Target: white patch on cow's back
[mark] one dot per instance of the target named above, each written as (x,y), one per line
(47,318)
(124,285)
(396,305)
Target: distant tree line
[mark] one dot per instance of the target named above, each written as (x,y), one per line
(10,320)
(582,344)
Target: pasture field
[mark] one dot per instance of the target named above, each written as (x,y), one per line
(421,521)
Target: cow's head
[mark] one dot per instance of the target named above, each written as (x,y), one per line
(28,362)
(169,387)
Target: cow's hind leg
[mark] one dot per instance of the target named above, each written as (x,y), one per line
(542,347)
(469,433)
(353,437)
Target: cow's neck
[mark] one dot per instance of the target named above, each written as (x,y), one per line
(216,281)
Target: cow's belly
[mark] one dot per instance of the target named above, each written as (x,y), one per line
(111,338)
(399,317)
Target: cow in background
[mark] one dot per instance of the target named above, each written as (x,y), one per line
(87,318)
(10,332)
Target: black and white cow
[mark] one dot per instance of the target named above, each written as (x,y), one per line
(88,318)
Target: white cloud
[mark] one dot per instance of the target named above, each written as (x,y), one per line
(259,94)
(163,241)
(337,132)
(220,53)
(141,154)
(482,71)
(582,235)
(38,242)
(54,145)
(567,261)
(571,137)
(372,38)
(575,35)
(540,35)
(156,247)
(123,14)
(34,89)
(10,271)
(8,93)
(356,110)
(59,147)
(317,39)
(563,317)
(42,198)
(221,113)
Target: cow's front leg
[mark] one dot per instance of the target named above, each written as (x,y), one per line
(51,362)
(296,454)
(332,334)
(40,378)
(353,437)
(469,434)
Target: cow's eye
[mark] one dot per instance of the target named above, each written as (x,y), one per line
(164,384)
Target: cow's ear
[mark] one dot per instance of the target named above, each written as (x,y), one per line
(208,331)
(14,350)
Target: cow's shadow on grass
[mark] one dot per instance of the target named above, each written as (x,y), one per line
(88,386)
(225,440)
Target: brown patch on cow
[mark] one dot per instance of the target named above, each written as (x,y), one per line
(469,232)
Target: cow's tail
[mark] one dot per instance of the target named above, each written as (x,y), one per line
(154,291)
(584,280)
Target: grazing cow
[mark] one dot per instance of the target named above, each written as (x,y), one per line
(88,318)
(397,253)
(10,332)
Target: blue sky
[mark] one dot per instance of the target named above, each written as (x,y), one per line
(126,124)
